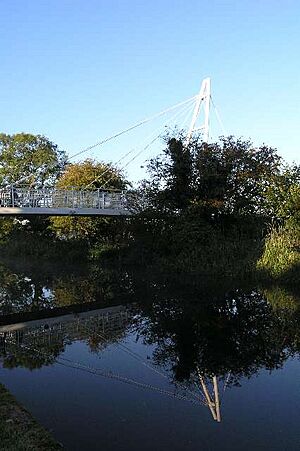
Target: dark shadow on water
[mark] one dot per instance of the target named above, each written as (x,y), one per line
(199,329)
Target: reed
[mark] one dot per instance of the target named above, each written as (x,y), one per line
(281,257)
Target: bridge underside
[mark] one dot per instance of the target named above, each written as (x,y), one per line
(44,211)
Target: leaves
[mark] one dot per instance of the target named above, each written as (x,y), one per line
(89,174)
(230,176)
(29,159)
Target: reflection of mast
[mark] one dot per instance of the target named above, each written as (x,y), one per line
(212,400)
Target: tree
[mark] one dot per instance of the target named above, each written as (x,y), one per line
(205,204)
(169,187)
(89,175)
(234,175)
(29,159)
(230,176)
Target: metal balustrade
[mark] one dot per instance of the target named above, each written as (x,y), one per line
(68,201)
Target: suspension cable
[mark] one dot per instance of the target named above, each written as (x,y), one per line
(138,124)
(178,113)
(133,158)
(218,117)
(187,116)
(146,147)
(122,132)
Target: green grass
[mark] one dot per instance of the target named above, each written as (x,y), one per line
(18,429)
(281,257)
(280,298)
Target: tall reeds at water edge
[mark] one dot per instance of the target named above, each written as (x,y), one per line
(281,256)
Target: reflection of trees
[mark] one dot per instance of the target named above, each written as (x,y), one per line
(20,293)
(31,355)
(239,334)
(31,288)
(100,284)
(40,345)
(199,332)
(29,358)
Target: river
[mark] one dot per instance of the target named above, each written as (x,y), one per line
(125,359)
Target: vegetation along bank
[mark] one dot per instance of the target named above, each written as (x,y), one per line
(227,208)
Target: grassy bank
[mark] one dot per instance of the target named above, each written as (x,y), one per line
(280,260)
(237,248)
(18,429)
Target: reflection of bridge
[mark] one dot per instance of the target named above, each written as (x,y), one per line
(109,322)
(212,400)
(42,340)
(58,202)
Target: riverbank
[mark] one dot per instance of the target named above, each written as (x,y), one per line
(19,431)
(185,246)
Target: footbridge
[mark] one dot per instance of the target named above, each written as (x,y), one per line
(18,200)
(24,201)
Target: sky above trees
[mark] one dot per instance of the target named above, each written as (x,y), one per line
(77,71)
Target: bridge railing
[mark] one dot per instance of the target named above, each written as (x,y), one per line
(23,197)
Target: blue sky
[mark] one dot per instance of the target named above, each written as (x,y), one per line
(78,70)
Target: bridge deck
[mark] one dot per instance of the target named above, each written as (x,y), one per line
(48,211)
(64,202)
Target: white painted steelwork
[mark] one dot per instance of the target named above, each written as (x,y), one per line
(58,202)
(202,98)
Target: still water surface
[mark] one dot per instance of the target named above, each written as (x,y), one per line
(121,360)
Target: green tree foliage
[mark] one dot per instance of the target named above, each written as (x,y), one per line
(171,177)
(234,175)
(206,204)
(229,177)
(90,175)
(29,159)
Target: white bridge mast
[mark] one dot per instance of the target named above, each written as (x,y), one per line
(202,98)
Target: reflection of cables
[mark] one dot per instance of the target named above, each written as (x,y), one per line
(225,384)
(109,375)
(136,356)
(126,380)
(227,381)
